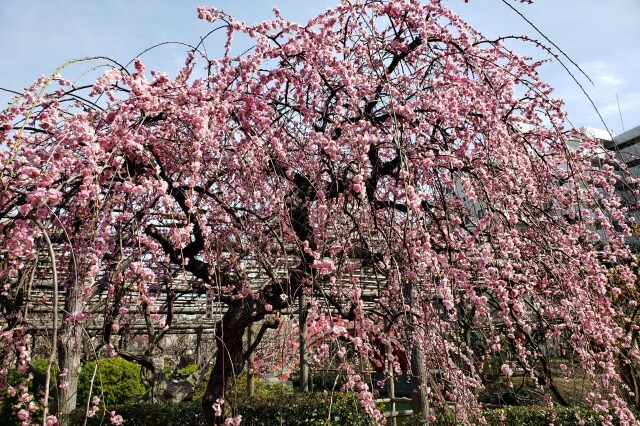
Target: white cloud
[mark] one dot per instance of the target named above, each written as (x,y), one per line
(602,75)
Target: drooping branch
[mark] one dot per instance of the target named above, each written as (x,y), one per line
(54,337)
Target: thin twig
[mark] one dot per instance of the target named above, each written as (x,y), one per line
(573,77)
(549,40)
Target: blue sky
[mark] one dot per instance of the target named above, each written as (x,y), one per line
(603,37)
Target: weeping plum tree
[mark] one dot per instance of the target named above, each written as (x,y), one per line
(380,139)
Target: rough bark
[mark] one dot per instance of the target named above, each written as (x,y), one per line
(630,376)
(70,352)
(419,400)
(629,371)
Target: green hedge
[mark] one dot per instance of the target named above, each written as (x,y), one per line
(292,409)
(314,409)
(146,414)
(534,416)
(520,416)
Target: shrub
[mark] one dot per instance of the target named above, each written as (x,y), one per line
(329,380)
(38,368)
(186,371)
(117,382)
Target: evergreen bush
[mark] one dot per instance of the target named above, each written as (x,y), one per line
(117,382)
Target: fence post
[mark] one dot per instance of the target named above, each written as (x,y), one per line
(392,384)
(199,346)
(302,327)
(250,360)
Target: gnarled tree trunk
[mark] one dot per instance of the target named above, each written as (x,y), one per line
(229,360)
(69,356)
